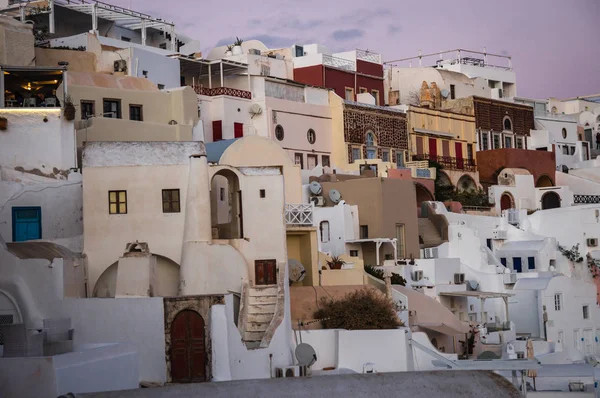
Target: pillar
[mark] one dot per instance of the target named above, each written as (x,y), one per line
(197,224)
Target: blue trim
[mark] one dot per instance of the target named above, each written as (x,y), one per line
(14,220)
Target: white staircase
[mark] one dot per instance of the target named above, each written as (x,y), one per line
(429,233)
(260,310)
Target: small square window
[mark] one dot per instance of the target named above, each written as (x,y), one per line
(355,154)
(586,312)
(112,108)
(87,109)
(558,302)
(353,253)
(135,113)
(325,161)
(170,199)
(263,193)
(385,155)
(117,202)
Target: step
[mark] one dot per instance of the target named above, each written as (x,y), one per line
(261,309)
(253,336)
(267,318)
(257,326)
(264,291)
(262,300)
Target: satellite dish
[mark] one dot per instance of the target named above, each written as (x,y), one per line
(315,188)
(255,109)
(305,354)
(473,285)
(296,270)
(444,93)
(335,196)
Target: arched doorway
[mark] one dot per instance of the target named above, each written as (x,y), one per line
(466,184)
(9,313)
(226,205)
(506,201)
(550,200)
(423,194)
(188,351)
(544,181)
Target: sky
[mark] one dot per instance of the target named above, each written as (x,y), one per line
(555,45)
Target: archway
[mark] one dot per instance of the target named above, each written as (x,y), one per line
(226,205)
(550,200)
(188,349)
(423,194)
(544,181)
(466,183)
(506,201)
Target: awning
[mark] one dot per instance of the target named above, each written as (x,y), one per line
(532,283)
(522,246)
(433,132)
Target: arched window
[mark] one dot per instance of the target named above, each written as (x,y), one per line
(279,132)
(554,110)
(370,142)
(507,124)
(311,136)
(564,133)
(324,229)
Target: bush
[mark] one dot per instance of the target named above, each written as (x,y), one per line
(363,309)
(377,273)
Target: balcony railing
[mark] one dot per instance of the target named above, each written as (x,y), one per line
(449,162)
(300,214)
(232,92)
(339,63)
(369,56)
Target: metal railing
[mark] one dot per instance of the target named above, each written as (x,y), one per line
(586,199)
(366,55)
(339,63)
(448,162)
(550,115)
(232,92)
(300,214)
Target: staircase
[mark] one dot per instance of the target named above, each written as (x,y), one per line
(259,312)
(428,234)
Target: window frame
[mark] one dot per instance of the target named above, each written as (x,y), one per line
(352,253)
(505,138)
(452,91)
(586,311)
(282,130)
(311,156)
(119,108)
(385,155)
(519,143)
(558,302)
(296,154)
(314,136)
(400,159)
(364,228)
(170,200)
(325,163)
(401,243)
(359,151)
(375,93)
(362,90)
(118,202)
(487,141)
(494,136)
(137,106)
(351,90)
(93,106)
(509,120)
(321,229)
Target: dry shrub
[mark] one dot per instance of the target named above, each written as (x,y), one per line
(362,309)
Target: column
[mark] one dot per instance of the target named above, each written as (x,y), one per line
(95,18)
(221,70)
(143,32)
(50,17)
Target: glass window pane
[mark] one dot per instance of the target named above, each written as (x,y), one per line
(165,194)
(176,195)
(112,197)
(165,207)
(122,208)
(113,208)
(122,196)
(176,207)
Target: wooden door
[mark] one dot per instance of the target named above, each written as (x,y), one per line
(265,272)
(433,149)
(27,223)
(445,148)
(188,355)
(505,202)
(459,155)
(419,145)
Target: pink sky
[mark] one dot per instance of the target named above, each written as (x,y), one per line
(555,45)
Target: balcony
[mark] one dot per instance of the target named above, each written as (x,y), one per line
(232,92)
(448,162)
(369,56)
(339,63)
(298,215)
(421,169)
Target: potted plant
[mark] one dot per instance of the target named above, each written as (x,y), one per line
(69,108)
(3,123)
(229,50)
(237,46)
(335,263)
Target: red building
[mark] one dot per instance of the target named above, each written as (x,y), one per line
(348,73)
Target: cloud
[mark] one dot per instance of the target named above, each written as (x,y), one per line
(364,15)
(301,25)
(274,41)
(347,34)
(394,29)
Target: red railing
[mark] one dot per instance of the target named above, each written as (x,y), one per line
(449,162)
(232,92)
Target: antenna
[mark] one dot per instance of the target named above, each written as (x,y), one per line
(296,271)
(305,354)
(335,196)
(315,188)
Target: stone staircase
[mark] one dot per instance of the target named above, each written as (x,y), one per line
(259,313)
(428,234)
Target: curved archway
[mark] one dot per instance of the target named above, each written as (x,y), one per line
(9,309)
(550,200)
(422,194)
(466,183)
(544,181)
(443,179)
(167,279)
(507,201)
(188,348)
(226,204)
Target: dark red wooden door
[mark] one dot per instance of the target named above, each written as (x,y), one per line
(505,202)
(265,272)
(217,130)
(188,356)
(459,155)
(238,130)
(433,149)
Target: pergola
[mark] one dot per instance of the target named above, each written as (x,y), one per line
(203,68)
(482,296)
(378,242)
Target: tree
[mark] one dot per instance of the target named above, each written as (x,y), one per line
(414,98)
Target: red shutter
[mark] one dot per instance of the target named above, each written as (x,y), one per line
(238,130)
(217,130)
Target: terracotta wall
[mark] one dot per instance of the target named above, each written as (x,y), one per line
(369,68)
(370,84)
(338,80)
(312,75)
(537,163)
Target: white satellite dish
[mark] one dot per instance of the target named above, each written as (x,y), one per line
(255,109)
(297,272)
(335,196)
(444,93)
(305,354)
(315,188)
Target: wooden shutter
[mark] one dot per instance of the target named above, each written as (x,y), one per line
(238,130)
(217,130)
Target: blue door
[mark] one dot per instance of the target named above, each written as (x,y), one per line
(517,266)
(26,223)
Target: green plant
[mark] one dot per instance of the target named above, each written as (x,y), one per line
(230,47)
(572,254)
(238,41)
(69,108)
(363,309)
(377,273)
(593,266)
(335,263)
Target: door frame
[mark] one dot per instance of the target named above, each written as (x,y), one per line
(14,219)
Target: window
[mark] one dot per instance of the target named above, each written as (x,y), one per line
(572,150)
(565,149)
(324,230)
(503,261)
(311,136)
(217,126)
(489,244)
(299,51)
(519,141)
(362,90)
(26,223)
(485,141)
(279,132)
(400,160)
(311,161)
(586,312)
(517,265)
(370,139)
(299,160)
(163,46)
(371,153)
(170,199)
(222,194)
(112,108)
(117,202)
(349,94)
(401,241)
(507,141)
(496,141)
(263,193)
(558,302)
(375,93)
(385,155)
(124,38)
(364,232)
(507,124)
(452,91)
(325,161)
(135,112)
(160,86)
(355,154)
(469,151)
(87,109)
(238,130)
(530,262)
(353,253)
(564,133)
(370,142)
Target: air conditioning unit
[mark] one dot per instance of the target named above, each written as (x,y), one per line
(459,279)
(120,65)
(592,242)
(318,201)
(417,275)
(510,279)
(431,252)
(289,371)
(254,51)
(499,234)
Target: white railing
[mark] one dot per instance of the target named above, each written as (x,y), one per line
(339,63)
(550,115)
(369,56)
(299,214)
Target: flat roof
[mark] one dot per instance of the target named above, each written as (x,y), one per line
(483,295)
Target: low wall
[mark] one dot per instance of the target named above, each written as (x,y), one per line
(342,277)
